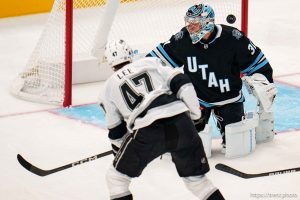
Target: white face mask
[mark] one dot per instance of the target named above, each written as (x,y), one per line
(193,25)
(199,21)
(198,27)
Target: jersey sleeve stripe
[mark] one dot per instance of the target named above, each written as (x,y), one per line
(239,98)
(205,104)
(262,64)
(162,100)
(178,81)
(165,54)
(171,78)
(153,54)
(183,88)
(242,99)
(254,63)
(159,55)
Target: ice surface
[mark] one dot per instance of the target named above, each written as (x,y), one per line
(50,140)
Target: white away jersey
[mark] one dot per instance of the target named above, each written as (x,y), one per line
(144,91)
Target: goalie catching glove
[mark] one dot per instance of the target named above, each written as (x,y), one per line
(265,93)
(262,89)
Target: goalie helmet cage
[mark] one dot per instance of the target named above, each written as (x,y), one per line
(72,42)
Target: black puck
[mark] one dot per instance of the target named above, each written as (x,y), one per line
(230,19)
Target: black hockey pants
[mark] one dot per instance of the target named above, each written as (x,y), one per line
(176,135)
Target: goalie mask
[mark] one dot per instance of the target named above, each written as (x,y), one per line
(199,20)
(117,52)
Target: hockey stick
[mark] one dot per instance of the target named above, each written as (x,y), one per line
(235,172)
(27,165)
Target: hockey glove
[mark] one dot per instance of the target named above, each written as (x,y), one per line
(199,124)
(264,91)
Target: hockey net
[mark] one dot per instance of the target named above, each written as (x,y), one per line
(142,23)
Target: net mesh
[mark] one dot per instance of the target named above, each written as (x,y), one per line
(141,23)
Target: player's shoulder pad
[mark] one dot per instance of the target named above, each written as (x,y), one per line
(152,61)
(148,59)
(232,32)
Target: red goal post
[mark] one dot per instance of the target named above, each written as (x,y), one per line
(70,48)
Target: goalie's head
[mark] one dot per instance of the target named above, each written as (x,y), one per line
(117,52)
(199,21)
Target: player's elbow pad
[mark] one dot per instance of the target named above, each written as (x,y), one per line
(188,95)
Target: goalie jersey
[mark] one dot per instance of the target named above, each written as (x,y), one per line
(215,66)
(144,91)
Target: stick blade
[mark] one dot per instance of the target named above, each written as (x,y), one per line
(31,167)
(232,171)
(24,162)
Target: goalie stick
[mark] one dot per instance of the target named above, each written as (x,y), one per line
(30,167)
(235,172)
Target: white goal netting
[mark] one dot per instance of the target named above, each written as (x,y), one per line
(142,23)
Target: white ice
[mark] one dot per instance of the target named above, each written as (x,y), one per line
(49,141)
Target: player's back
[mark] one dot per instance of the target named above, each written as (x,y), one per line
(134,87)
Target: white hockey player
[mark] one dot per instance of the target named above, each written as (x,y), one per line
(149,110)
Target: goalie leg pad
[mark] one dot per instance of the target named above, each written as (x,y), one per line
(265,128)
(206,137)
(240,136)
